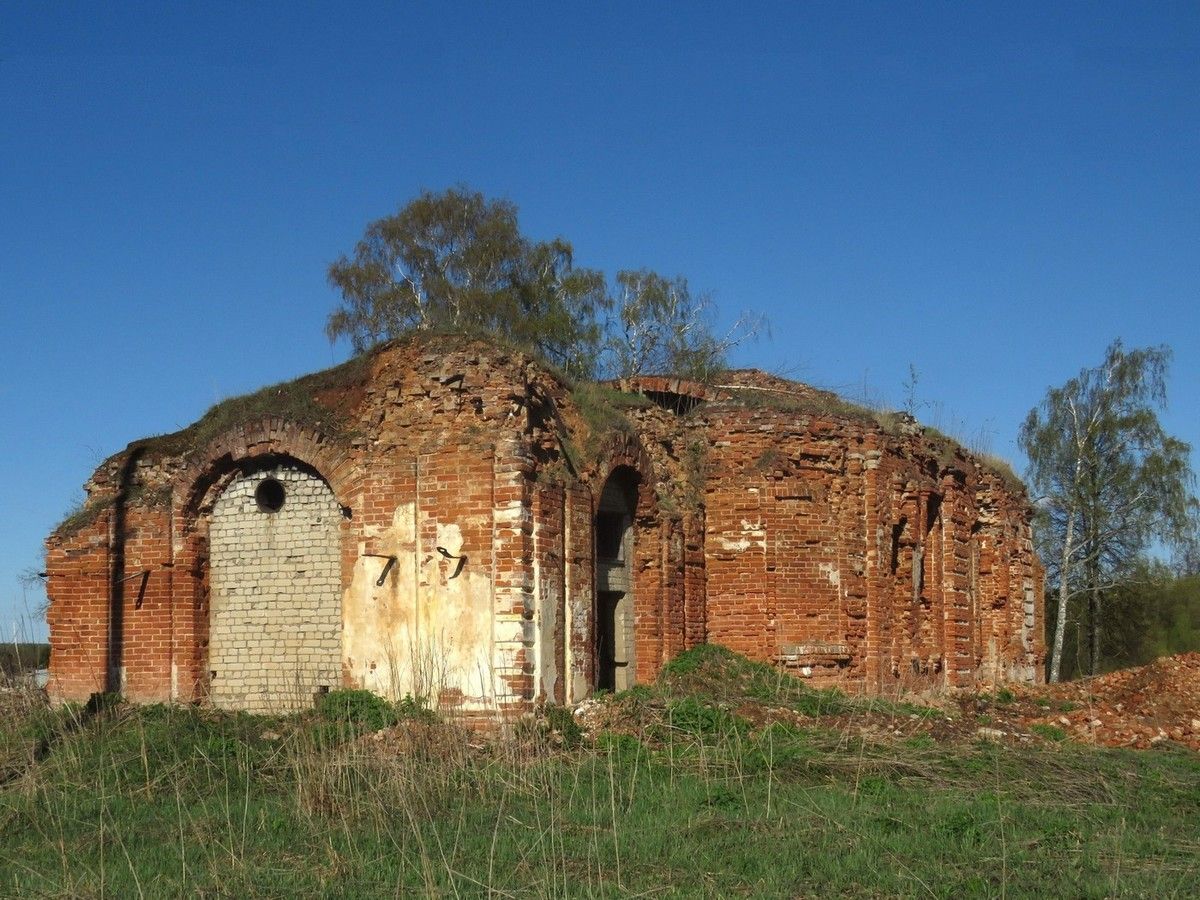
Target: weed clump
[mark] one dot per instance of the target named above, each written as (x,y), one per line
(602,409)
(713,671)
(1049,732)
(300,400)
(696,718)
(361,711)
(358,708)
(558,722)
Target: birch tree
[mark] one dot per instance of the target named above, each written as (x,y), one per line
(658,326)
(1108,482)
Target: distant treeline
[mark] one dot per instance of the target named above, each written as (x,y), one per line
(1152,614)
(23,657)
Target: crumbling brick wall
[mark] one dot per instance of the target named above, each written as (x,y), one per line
(785,529)
(78,615)
(851,548)
(459,485)
(463,564)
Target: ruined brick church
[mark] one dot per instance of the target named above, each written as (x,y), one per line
(448,518)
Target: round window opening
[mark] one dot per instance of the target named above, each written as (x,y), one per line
(269,495)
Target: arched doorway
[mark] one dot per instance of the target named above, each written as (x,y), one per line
(275,617)
(616,668)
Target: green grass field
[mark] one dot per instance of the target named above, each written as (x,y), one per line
(681,796)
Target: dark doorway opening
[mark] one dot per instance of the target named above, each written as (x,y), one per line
(610,534)
(606,640)
(614,612)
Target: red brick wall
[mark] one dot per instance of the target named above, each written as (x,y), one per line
(145,595)
(847,554)
(579,665)
(786,542)
(822,543)
(550,572)
(78,582)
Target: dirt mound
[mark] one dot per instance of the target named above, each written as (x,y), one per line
(1144,707)
(1133,707)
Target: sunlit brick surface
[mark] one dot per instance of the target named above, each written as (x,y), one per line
(275,632)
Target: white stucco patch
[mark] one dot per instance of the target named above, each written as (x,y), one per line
(830,571)
(427,629)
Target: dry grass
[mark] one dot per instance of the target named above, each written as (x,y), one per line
(724,779)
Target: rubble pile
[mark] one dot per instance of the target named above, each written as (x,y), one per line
(1156,705)
(1132,707)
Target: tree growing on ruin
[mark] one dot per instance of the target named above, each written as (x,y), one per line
(1108,482)
(657,325)
(456,261)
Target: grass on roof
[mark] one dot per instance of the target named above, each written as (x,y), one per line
(294,400)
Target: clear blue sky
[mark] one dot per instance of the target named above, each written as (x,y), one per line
(990,195)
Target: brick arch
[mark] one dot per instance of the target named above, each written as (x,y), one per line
(626,451)
(654,639)
(246,447)
(251,445)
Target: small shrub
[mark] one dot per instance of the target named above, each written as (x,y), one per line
(219,746)
(921,742)
(603,411)
(357,708)
(415,709)
(560,721)
(716,671)
(823,702)
(621,747)
(780,746)
(637,701)
(921,712)
(690,661)
(875,786)
(722,796)
(639,693)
